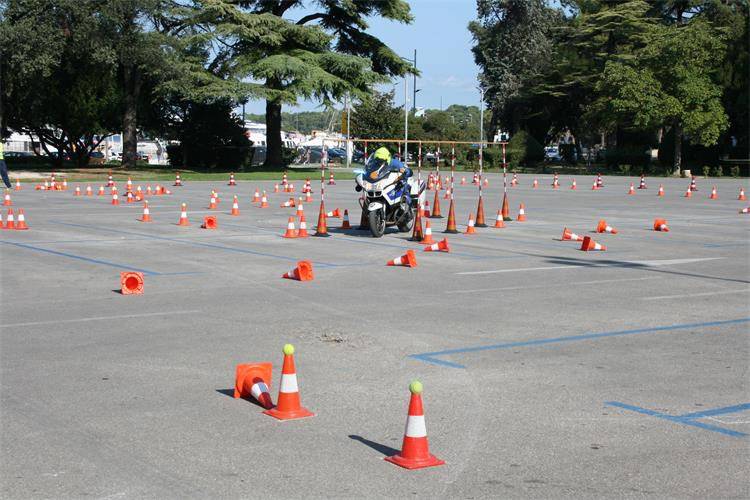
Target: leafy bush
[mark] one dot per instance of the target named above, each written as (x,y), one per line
(625,169)
(718,171)
(706,170)
(734,171)
(523,149)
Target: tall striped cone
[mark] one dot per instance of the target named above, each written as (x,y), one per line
(321,231)
(417,234)
(409,259)
(745,210)
(568,235)
(101,191)
(264,201)
(713,195)
(10,221)
(589,245)
(183,216)
(302,233)
(632,189)
(115,199)
(470,226)
(440,246)
(480,214)
(603,227)
(521,213)
(235,207)
(499,220)
(345,224)
(77,192)
(535,184)
(451,228)
(256,196)
(426,209)
(302,272)
(661,225)
(415,449)
(688,193)
(7,202)
(290,231)
(436,206)
(254,380)
(660,192)
(212,203)
(89,191)
(21,224)
(741,196)
(146,217)
(300,207)
(288,405)
(573,185)
(505,209)
(18,185)
(427,239)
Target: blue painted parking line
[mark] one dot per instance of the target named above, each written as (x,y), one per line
(431,357)
(690,418)
(147,272)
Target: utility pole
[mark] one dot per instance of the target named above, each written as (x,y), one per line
(414,98)
(348,132)
(406,120)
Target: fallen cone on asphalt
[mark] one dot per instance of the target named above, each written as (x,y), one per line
(470,227)
(745,210)
(741,197)
(661,225)
(303,272)
(713,195)
(336,213)
(440,246)
(146,217)
(288,406)
(427,238)
(254,380)
(415,449)
(409,259)
(302,233)
(290,231)
(183,216)
(345,224)
(235,207)
(589,245)
(521,214)
(209,222)
(289,204)
(131,283)
(499,220)
(603,227)
(568,235)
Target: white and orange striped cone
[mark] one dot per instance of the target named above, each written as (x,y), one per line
(130,198)
(288,406)
(603,227)
(440,246)
(661,225)
(101,191)
(289,204)
(283,179)
(275,188)
(254,380)
(7,202)
(693,184)
(555,184)
(21,223)
(427,237)
(745,210)
(521,213)
(177,179)
(426,208)
(308,197)
(235,207)
(232,182)
(409,259)
(2,225)
(599,181)
(331,182)
(18,185)
(594,186)
(514,181)
(212,203)
(486,182)
(345,224)
(290,231)
(77,192)
(632,189)
(149,192)
(713,195)
(302,233)
(642,183)
(110,181)
(302,272)
(129,184)
(463,181)
(573,185)
(138,193)
(336,213)
(256,196)
(183,216)
(115,199)
(470,226)
(146,217)
(300,207)
(688,193)
(535,184)
(568,235)
(591,245)
(448,193)
(499,223)
(89,191)
(660,192)
(64,184)
(415,449)
(741,196)
(9,220)
(264,201)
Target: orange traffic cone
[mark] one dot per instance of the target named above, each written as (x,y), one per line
(463,181)
(589,244)
(7,201)
(450,228)
(115,199)
(300,207)
(235,207)
(568,235)
(535,184)
(661,225)
(470,227)
(231,180)
(741,197)
(689,193)
(480,213)
(10,221)
(183,216)
(146,213)
(303,272)
(346,224)
(212,203)
(131,283)
(21,223)
(486,182)
(505,210)
(745,210)
(660,192)
(521,214)
(602,227)
(254,380)
(64,185)
(632,189)
(426,209)
(275,188)
(288,405)
(129,197)
(18,185)
(289,204)
(149,192)
(101,191)
(436,206)
(331,182)
(77,192)
(209,222)
(409,259)
(89,191)
(308,197)
(417,234)
(290,231)
(302,233)
(256,196)
(264,201)
(713,195)
(573,186)
(321,231)
(440,246)
(177,179)
(594,186)
(415,449)
(427,239)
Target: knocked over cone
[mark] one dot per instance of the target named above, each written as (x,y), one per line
(661,225)
(409,259)
(590,245)
(254,380)
(131,283)
(303,272)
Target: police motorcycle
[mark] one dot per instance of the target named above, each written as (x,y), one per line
(391,194)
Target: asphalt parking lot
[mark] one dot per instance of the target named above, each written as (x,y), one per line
(547,371)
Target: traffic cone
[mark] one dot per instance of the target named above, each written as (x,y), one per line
(288,405)
(300,207)
(289,204)
(589,245)
(283,179)
(661,225)
(209,222)
(18,185)
(499,220)
(480,214)
(131,283)
(594,186)
(115,199)
(486,182)
(427,239)
(602,227)
(463,181)
(693,184)
(745,210)
(415,449)
(231,180)
(183,216)
(275,188)
(741,197)
(417,234)
(521,214)
(713,195)
(235,207)
(64,184)
(409,259)
(77,192)
(555,184)
(573,186)
(345,224)
(321,230)
(426,209)
(149,192)
(303,272)
(7,201)
(2,224)
(440,246)
(21,223)
(212,203)
(470,227)
(331,182)
(101,191)
(256,196)
(336,213)
(177,179)
(290,231)
(450,228)
(447,195)
(110,180)
(436,206)
(302,233)
(660,192)
(129,184)
(535,184)
(632,189)
(254,380)
(129,197)
(89,191)
(146,213)
(568,235)
(264,201)
(10,221)
(514,181)
(642,184)
(688,193)
(308,197)
(505,210)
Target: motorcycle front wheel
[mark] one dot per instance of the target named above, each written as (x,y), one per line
(377,223)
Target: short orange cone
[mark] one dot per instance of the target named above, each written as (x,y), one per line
(10,221)
(18,185)
(688,193)
(321,231)
(183,216)
(632,189)
(415,449)
(146,213)
(346,224)
(89,191)
(256,196)
(177,179)
(290,231)
(409,259)
(212,203)
(264,201)
(131,283)
(254,380)
(288,406)
(713,195)
(303,272)
(426,209)
(440,246)
(594,186)
(77,192)
(590,245)
(115,199)
(232,182)
(21,223)
(308,197)
(535,184)
(499,220)
(521,213)
(573,186)
(451,228)
(741,197)
(470,227)
(275,188)
(235,207)
(603,227)
(7,201)
(463,181)
(209,222)
(568,235)
(661,225)
(660,192)
(101,191)
(331,182)
(486,182)
(427,239)
(302,233)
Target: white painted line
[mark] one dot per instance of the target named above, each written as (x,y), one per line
(496,271)
(594,264)
(552,286)
(99,318)
(670,262)
(704,294)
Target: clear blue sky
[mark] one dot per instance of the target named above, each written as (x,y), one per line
(443,54)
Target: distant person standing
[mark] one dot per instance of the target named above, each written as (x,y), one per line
(4,167)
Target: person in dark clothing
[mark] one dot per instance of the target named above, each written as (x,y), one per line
(4,167)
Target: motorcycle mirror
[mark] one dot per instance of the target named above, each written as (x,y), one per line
(358,171)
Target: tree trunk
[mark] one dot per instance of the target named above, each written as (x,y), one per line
(273,134)
(677,165)
(132,87)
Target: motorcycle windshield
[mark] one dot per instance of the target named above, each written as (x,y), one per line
(376,170)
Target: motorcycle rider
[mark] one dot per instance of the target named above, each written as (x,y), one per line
(383,157)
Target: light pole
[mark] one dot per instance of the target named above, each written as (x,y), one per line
(480,206)
(406,121)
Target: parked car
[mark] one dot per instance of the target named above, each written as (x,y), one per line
(18,154)
(97,158)
(552,153)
